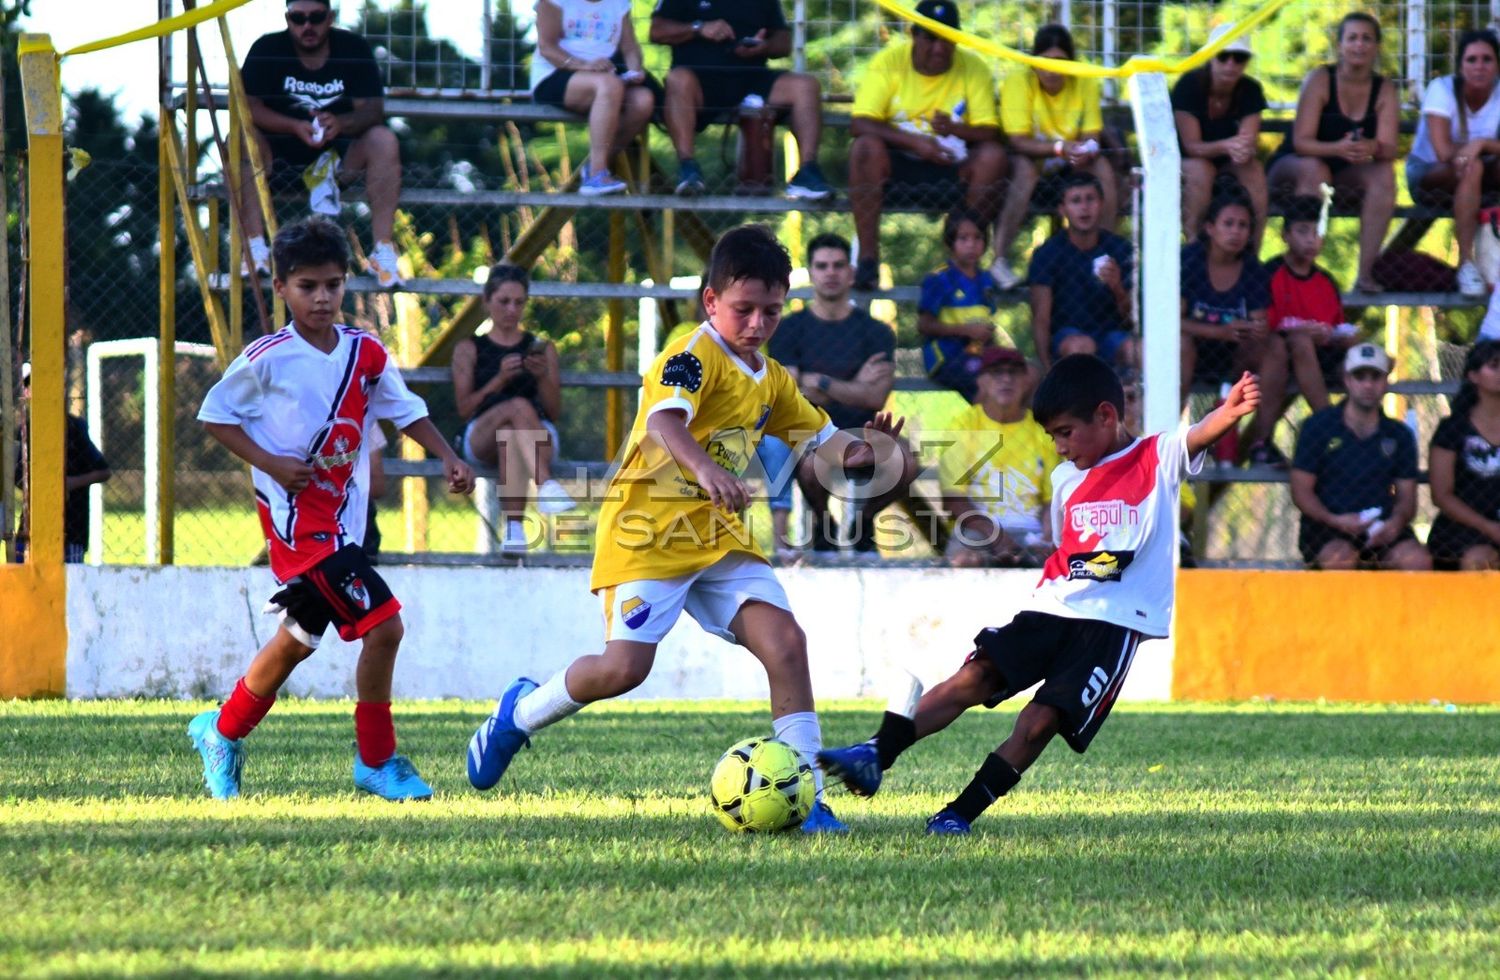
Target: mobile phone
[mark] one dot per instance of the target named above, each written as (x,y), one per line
(750,42)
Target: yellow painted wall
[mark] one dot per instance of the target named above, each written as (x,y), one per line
(34,643)
(1358,636)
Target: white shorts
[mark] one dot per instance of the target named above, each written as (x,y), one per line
(466,448)
(644,611)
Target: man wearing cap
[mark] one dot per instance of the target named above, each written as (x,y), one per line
(925,122)
(1217,108)
(996,474)
(313,89)
(1354,477)
(83,466)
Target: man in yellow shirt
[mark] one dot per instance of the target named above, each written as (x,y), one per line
(925,124)
(996,478)
(670,538)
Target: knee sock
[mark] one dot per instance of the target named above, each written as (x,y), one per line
(374,732)
(993,780)
(801,731)
(243,711)
(897,734)
(547,705)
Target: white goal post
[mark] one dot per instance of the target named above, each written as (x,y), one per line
(1161,223)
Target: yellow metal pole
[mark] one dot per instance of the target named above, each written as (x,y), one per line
(196,244)
(614,339)
(167,381)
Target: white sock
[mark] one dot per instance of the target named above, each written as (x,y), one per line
(547,705)
(801,731)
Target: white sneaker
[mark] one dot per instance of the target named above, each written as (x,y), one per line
(259,258)
(383,266)
(551,498)
(1005,276)
(514,542)
(1470,282)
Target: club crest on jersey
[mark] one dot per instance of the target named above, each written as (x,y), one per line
(634,611)
(682,371)
(765,416)
(357,593)
(1099,566)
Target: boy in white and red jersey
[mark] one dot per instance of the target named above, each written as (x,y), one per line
(294,406)
(1108,586)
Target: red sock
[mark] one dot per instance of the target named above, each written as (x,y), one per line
(374,732)
(243,711)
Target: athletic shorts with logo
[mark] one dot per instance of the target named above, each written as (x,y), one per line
(343,589)
(644,611)
(1081,663)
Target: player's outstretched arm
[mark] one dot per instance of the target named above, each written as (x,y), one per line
(1243,399)
(724,489)
(289,471)
(426,435)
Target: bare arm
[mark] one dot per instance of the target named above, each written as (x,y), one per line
(1305,498)
(724,489)
(465,397)
(630,45)
(1387,122)
(917,144)
(542,361)
(268,120)
(289,471)
(1041,322)
(426,435)
(867,389)
(1242,400)
(81,480)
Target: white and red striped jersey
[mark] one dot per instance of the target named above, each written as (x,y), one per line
(1116,530)
(294,400)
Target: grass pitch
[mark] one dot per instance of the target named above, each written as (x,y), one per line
(1247,839)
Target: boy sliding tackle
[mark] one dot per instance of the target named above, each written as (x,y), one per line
(670,538)
(1108,585)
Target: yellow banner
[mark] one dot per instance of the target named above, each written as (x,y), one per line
(1137,65)
(188,19)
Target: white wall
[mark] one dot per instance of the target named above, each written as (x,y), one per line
(190,632)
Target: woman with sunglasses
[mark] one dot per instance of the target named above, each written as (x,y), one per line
(1344,134)
(1456,154)
(1218,111)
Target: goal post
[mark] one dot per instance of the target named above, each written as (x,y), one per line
(1161,222)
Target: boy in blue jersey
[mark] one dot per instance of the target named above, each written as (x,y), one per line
(955,314)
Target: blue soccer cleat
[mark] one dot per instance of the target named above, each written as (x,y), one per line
(222,757)
(498,739)
(394,779)
(857,767)
(822,821)
(947,823)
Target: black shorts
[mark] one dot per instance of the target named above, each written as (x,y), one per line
(725,88)
(343,589)
(1313,535)
(289,154)
(553,89)
(1448,540)
(917,183)
(1082,664)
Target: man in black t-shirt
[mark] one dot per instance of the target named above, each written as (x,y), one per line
(314,88)
(719,54)
(1354,477)
(83,466)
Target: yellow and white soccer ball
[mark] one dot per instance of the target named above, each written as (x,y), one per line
(762,785)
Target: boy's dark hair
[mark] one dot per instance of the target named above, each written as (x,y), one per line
(1301,209)
(1076,386)
(504,272)
(1051,36)
(829,240)
(311,241)
(957,217)
(1081,178)
(749,252)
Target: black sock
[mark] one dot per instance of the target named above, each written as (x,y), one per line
(897,734)
(993,780)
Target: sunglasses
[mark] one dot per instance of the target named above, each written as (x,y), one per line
(1239,57)
(297,18)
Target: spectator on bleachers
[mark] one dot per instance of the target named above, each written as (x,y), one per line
(1080,282)
(1218,109)
(1464,469)
(1308,334)
(924,126)
(1224,294)
(719,54)
(1344,134)
(996,477)
(312,89)
(508,387)
(1453,159)
(1354,477)
(1054,123)
(588,61)
(956,311)
(83,466)
(842,360)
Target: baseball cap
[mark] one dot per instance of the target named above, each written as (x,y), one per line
(1366,356)
(942,11)
(996,356)
(1241,43)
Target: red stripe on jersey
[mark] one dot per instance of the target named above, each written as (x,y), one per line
(1128,480)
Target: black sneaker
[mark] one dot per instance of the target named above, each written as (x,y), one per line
(1266,454)
(809,184)
(690,179)
(867,275)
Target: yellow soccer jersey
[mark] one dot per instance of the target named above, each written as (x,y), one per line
(1027,110)
(1004,467)
(892,91)
(656,522)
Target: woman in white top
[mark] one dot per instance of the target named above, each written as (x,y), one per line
(588,61)
(1456,153)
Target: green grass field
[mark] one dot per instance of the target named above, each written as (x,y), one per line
(1249,839)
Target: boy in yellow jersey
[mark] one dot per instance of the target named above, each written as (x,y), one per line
(670,538)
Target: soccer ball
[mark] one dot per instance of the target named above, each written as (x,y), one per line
(762,785)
